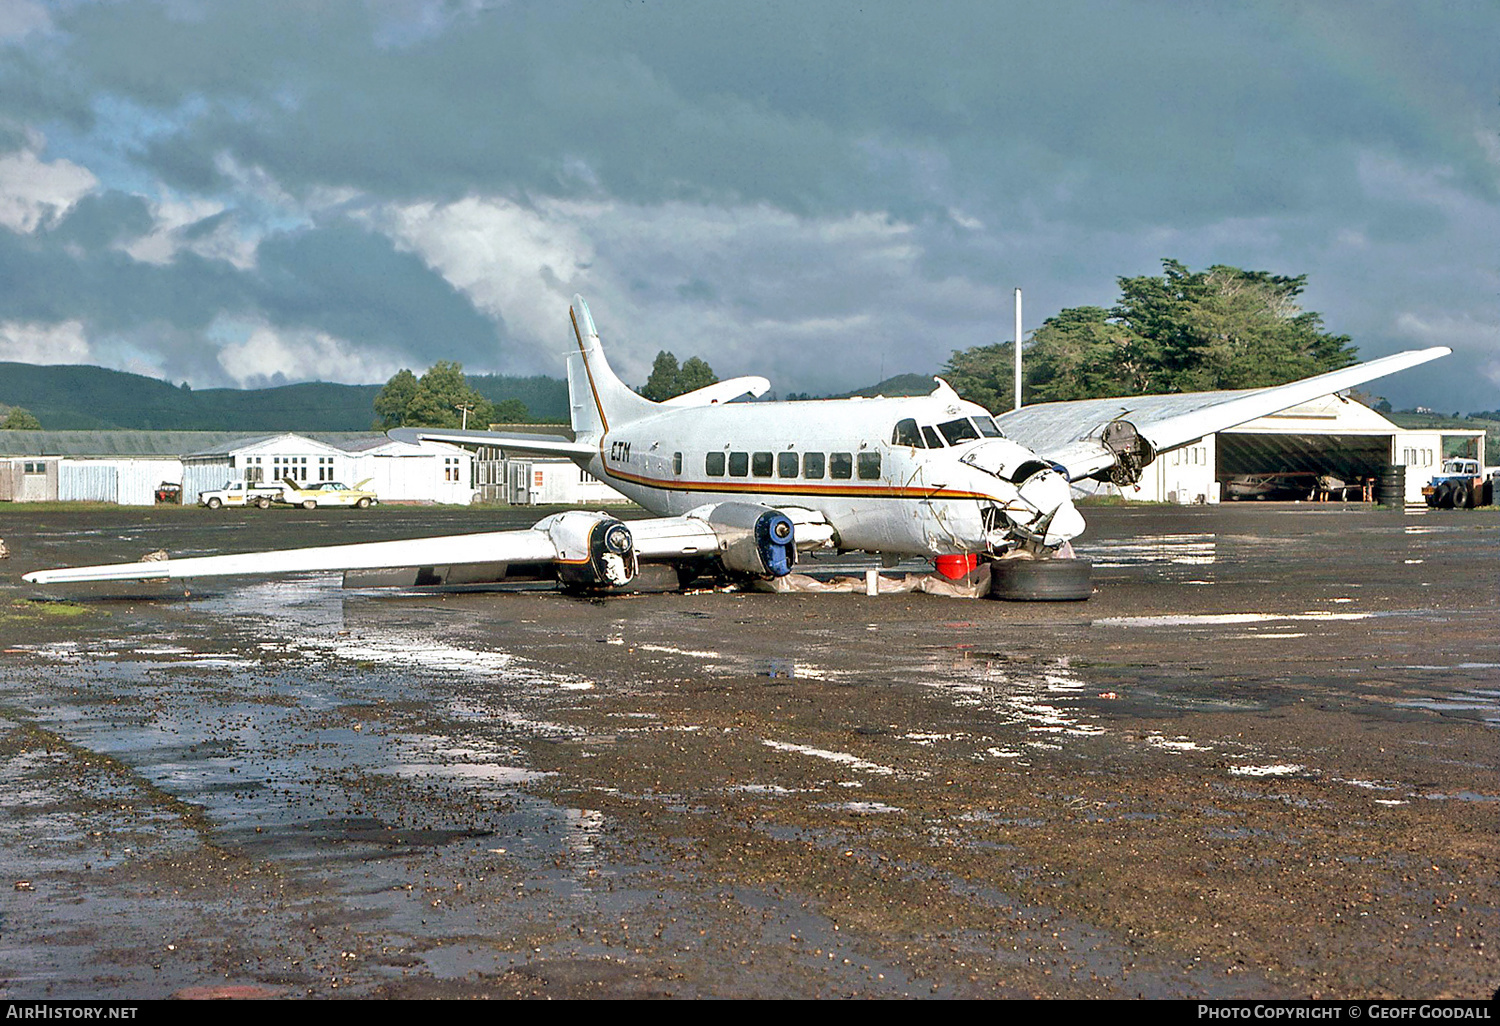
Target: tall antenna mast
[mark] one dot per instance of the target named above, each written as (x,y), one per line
(1018,349)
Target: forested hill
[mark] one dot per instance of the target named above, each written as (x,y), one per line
(67,398)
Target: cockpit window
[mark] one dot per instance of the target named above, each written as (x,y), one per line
(988,428)
(959,430)
(906,433)
(933,441)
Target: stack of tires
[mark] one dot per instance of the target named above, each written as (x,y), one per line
(1390,489)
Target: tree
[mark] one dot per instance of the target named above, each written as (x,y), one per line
(662,384)
(1180,332)
(511,411)
(1228,328)
(392,402)
(434,400)
(695,375)
(20,419)
(668,379)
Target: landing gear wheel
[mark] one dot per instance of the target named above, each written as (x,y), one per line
(309,504)
(1041,580)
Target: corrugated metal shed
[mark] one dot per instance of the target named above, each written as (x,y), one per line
(109,443)
(150,443)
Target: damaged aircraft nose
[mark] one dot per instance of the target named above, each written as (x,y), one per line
(1056,519)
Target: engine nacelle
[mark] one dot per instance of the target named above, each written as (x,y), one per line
(593,550)
(753,539)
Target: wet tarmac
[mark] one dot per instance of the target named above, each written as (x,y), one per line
(1260,761)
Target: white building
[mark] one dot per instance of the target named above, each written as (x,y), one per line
(395,471)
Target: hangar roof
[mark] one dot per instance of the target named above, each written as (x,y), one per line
(161,444)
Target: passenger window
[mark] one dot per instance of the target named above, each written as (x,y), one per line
(760,464)
(841,466)
(677,463)
(906,433)
(739,464)
(812,466)
(786,464)
(933,441)
(869,466)
(959,430)
(988,428)
(713,464)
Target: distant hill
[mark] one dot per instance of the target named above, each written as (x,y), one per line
(546,398)
(901,384)
(72,397)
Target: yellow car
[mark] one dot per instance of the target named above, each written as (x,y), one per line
(328,493)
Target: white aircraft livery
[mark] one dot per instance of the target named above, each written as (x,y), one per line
(744,487)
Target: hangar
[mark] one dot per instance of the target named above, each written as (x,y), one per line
(1331,437)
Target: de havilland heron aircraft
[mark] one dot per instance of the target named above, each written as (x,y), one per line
(745,488)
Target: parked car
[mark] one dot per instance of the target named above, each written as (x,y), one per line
(241,493)
(327,493)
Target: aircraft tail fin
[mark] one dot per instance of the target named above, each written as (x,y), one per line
(597,398)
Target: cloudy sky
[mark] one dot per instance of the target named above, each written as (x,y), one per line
(235,193)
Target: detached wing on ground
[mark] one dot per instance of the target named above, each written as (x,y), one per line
(1116,437)
(580,548)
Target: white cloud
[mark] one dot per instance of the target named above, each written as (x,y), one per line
(33,192)
(269,357)
(173,233)
(750,288)
(19,18)
(44,343)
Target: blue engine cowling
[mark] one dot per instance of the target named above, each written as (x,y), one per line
(753,539)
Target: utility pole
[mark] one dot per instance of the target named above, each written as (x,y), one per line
(1018,349)
(465,409)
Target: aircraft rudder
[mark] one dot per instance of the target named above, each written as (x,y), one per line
(597,398)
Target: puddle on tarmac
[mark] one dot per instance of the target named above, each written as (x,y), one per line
(1170,549)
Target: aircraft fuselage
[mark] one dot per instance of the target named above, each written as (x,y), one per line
(901,475)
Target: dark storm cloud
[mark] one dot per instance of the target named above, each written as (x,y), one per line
(1056,146)
(351,283)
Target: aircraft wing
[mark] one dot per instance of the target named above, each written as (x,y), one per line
(1089,436)
(545,445)
(580,547)
(529,546)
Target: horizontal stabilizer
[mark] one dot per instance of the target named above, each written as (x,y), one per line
(548,445)
(722,391)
